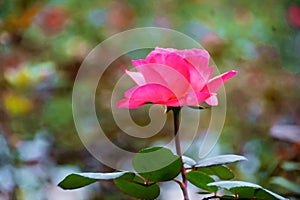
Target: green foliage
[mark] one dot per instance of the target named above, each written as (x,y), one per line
(78,180)
(221,171)
(157,164)
(220,160)
(201,180)
(243,189)
(154,164)
(134,186)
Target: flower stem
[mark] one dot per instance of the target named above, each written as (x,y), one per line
(176,112)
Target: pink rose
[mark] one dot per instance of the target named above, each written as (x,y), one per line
(174,78)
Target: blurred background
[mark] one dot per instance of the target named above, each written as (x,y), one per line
(43,43)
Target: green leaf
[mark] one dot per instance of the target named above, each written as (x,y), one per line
(288,185)
(133,185)
(201,180)
(267,194)
(157,164)
(220,160)
(222,171)
(204,192)
(78,180)
(234,184)
(247,190)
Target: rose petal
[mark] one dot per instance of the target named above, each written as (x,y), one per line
(215,83)
(124,103)
(149,93)
(166,76)
(197,57)
(163,50)
(207,73)
(212,101)
(195,98)
(153,73)
(138,62)
(137,77)
(199,79)
(172,60)
(198,67)
(191,99)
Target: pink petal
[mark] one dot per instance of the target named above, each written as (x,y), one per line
(153,73)
(137,77)
(127,103)
(166,76)
(193,52)
(197,57)
(195,98)
(191,99)
(212,101)
(201,73)
(198,60)
(124,103)
(149,93)
(208,73)
(172,60)
(138,62)
(199,79)
(214,84)
(163,50)
(173,103)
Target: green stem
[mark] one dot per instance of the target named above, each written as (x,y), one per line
(176,112)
